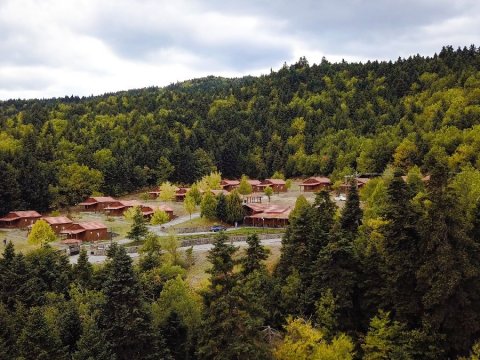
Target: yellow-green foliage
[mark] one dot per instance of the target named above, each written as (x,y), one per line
(159,217)
(167,191)
(304,342)
(41,233)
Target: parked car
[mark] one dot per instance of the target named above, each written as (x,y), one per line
(217,228)
(341,197)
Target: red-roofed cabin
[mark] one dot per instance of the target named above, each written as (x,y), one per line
(154,193)
(149,210)
(277,185)
(87,231)
(19,219)
(118,207)
(229,185)
(255,185)
(271,216)
(218,192)
(315,183)
(58,223)
(181,193)
(361,182)
(97,203)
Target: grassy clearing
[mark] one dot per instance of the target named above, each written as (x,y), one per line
(196,222)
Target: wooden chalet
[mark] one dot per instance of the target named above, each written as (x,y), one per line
(252,198)
(97,203)
(181,193)
(86,231)
(218,192)
(267,215)
(149,210)
(118,207)
(255,185)
(361,182)
(316,183)
(277,185)
(58,223)
(154,193)
(19,219)
(229,185)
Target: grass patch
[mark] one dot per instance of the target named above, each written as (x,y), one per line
(196,222)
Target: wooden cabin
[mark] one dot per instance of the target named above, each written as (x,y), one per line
(149,210)
(253,198)
(19,219)
(118,207)
(97,203)
(316,183)
(229,185)
(87,231)
(154,193)
(58,223)
(277,185)
(255,185)
(270,216)
(181,193)
(361,182)
(218,192)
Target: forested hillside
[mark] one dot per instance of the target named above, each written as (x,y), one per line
(303,119)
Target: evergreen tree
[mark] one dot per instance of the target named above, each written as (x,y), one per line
(83,271)
(351,213)
(10,195)
(124,318)
(69,327)
(93,344)
(221,209)
(400,252)
(208,206)
(254,255)
(138,229)
(448,277)
(37,341)
(235,211)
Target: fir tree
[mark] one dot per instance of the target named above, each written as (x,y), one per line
(254,255)
(221,209)
(235,210)
(124,318)
(139,228)
(69,326)
(83,271)
(93,343)
(351,213)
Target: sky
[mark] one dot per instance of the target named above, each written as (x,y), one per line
(54,48)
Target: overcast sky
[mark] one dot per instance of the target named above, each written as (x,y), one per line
(84,47)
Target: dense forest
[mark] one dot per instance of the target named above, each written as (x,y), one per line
(398,278)
(331,119)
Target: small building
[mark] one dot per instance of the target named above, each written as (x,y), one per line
(181,193)
(316,183)
(118,207)
(19,219)
(271,216)
(154,193)
(86,231)
(58,223)
(97,203)
(361,182)
(229,185)
(149,210)
(218,192)
(277,185)
(255,185)
(252,198)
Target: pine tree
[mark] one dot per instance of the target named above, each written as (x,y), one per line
(69,326)
(83,270)
(235,212)
(448,278)
(351,213)
(400,252)
(221,209)
(139,229)
(93,343)
(124,318)
(254,255)
(37,341)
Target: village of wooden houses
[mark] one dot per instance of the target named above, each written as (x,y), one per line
(98,220)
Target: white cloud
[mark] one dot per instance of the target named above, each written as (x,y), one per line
(82,47)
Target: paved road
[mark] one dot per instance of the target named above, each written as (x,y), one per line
(196,248)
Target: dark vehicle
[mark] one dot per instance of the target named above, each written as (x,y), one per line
(217,228)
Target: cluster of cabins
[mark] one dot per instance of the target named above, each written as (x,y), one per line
(258,187)
(61,225)
(76,232)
